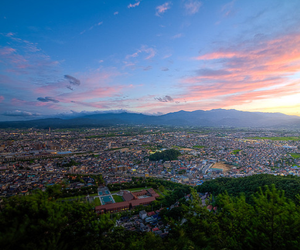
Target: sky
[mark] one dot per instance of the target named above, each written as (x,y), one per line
(68,58)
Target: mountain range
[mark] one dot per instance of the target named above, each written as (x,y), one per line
(211,118)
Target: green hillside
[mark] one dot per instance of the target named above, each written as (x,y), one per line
(264,217)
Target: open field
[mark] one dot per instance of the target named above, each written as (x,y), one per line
(182,148)
(162,194)
(290,138)
(295,156)
(186,149)
(132,189)
(117,198)
(97,201)
(198,146)
(137,189)
(221,165)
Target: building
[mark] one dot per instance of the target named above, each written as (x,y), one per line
(132,200)
(143,214)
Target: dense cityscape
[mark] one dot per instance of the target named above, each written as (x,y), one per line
(33,159)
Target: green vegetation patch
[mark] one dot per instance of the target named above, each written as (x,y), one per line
(183,171)
(97,201)
(295,156)
(167,155)
(159,193)
(198,146)
(267,219)
(118,198)
(137,189)
(72,198)
(236,151)
(249,185)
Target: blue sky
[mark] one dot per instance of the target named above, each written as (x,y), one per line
(149,56)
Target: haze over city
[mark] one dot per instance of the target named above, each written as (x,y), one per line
(153,57)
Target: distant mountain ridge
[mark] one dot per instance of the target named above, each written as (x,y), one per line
(211,118)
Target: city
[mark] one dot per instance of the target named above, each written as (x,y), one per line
(150,125)
(33,159)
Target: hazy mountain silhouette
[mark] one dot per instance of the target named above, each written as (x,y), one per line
(212,118)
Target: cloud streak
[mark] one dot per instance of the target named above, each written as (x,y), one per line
(72,80)
(161,9)
(133,5)
(166,98)
(192,7)
(144,49)
(253,70)
(6,51)
(95,25)
(93,104)
(19,113)
(47,99)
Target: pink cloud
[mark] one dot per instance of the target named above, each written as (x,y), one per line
(1,98)
(112,103)
(144,49)
(95,86)
(249,71)
(133,5)
(26,59)
(240,98)
(11,58)
(192,7)
(217,55)
(41,107)
(21,103)
(10,34)
(93,105)
(6,51)
(96,93)
(35,75)
(52,89)
(162,8)
(95,89)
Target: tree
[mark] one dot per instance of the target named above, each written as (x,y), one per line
(276,224)
(161,188)
(167,155)
(35,222)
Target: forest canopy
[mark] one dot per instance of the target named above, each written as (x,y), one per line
(261,217)
(166,155)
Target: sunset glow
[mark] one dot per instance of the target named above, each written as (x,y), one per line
(148,56)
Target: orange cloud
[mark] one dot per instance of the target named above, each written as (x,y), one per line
(253,70)
(93,105)
(89,95)
(216,55)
